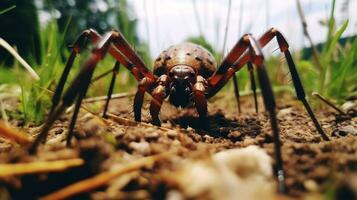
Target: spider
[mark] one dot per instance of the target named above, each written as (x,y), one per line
(185,73)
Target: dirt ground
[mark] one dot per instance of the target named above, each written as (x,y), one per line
(314,168)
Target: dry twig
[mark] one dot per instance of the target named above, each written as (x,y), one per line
(103,178)
(128,122)
(14,135)
(38,167)
(329,103)
(104,98)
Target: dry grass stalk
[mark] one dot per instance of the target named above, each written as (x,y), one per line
(14,53)
(128,122)
(38,167)
(329,103)
(104,98)
(103,178)
(14,135)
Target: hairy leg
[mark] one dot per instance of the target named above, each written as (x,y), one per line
(199,96)
(236,93)
(111,87)
(144,85)
(158,95)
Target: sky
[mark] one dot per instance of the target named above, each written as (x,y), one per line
(162,23)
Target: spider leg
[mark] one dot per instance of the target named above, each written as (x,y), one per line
(145,84)
(229,66)
(252,83)
(224,72)
(236,93)
(219,78)
(77,89)
(75,50)
(125,55)
(299,89)
(81,94)
(199,95)
(135,64)
(158,94)
(269,102)
(111,87)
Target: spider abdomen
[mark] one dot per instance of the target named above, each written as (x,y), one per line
(189,54)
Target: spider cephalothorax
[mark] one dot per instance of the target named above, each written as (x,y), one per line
(186,72)
(182,63)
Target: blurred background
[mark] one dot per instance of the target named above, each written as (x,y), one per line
(43,30)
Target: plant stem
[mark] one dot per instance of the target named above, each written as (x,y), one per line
(315,53)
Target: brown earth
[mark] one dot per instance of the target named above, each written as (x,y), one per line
(313,166)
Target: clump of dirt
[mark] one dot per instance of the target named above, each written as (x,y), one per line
(312,166)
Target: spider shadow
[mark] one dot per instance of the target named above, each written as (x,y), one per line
(218,126)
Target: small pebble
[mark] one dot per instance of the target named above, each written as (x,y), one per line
(172,133)
(344,131)
(284,112)
(119,132)
(189,128)
(311,185)
(152,135)
(141,147)
(174,195)
(349,105)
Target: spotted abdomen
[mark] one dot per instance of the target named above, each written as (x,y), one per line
(195,56)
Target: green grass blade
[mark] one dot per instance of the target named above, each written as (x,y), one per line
(334,41)
(7,9)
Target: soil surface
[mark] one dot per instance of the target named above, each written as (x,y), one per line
(313,167)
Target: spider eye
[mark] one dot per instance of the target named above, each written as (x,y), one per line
(192,74)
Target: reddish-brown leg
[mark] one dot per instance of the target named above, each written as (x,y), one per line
(111,88)
(75,50)
(158,96)
(236,93)
(256,57)
(76,90)
(219,79)
(199,96)
(145,84)
(269,102)
(79,86)
(135,66)
(252,83)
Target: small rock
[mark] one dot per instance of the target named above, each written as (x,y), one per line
(284,112)
(174,195)
(246,162)
(172,133)
(344,131)
(349,105)
(119,132)
(208,138)
(152,135)
(58,131)
(245,173)
(93,126)
(141,147)
(235,135)
(311,185)
(176,143)
(249,141)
